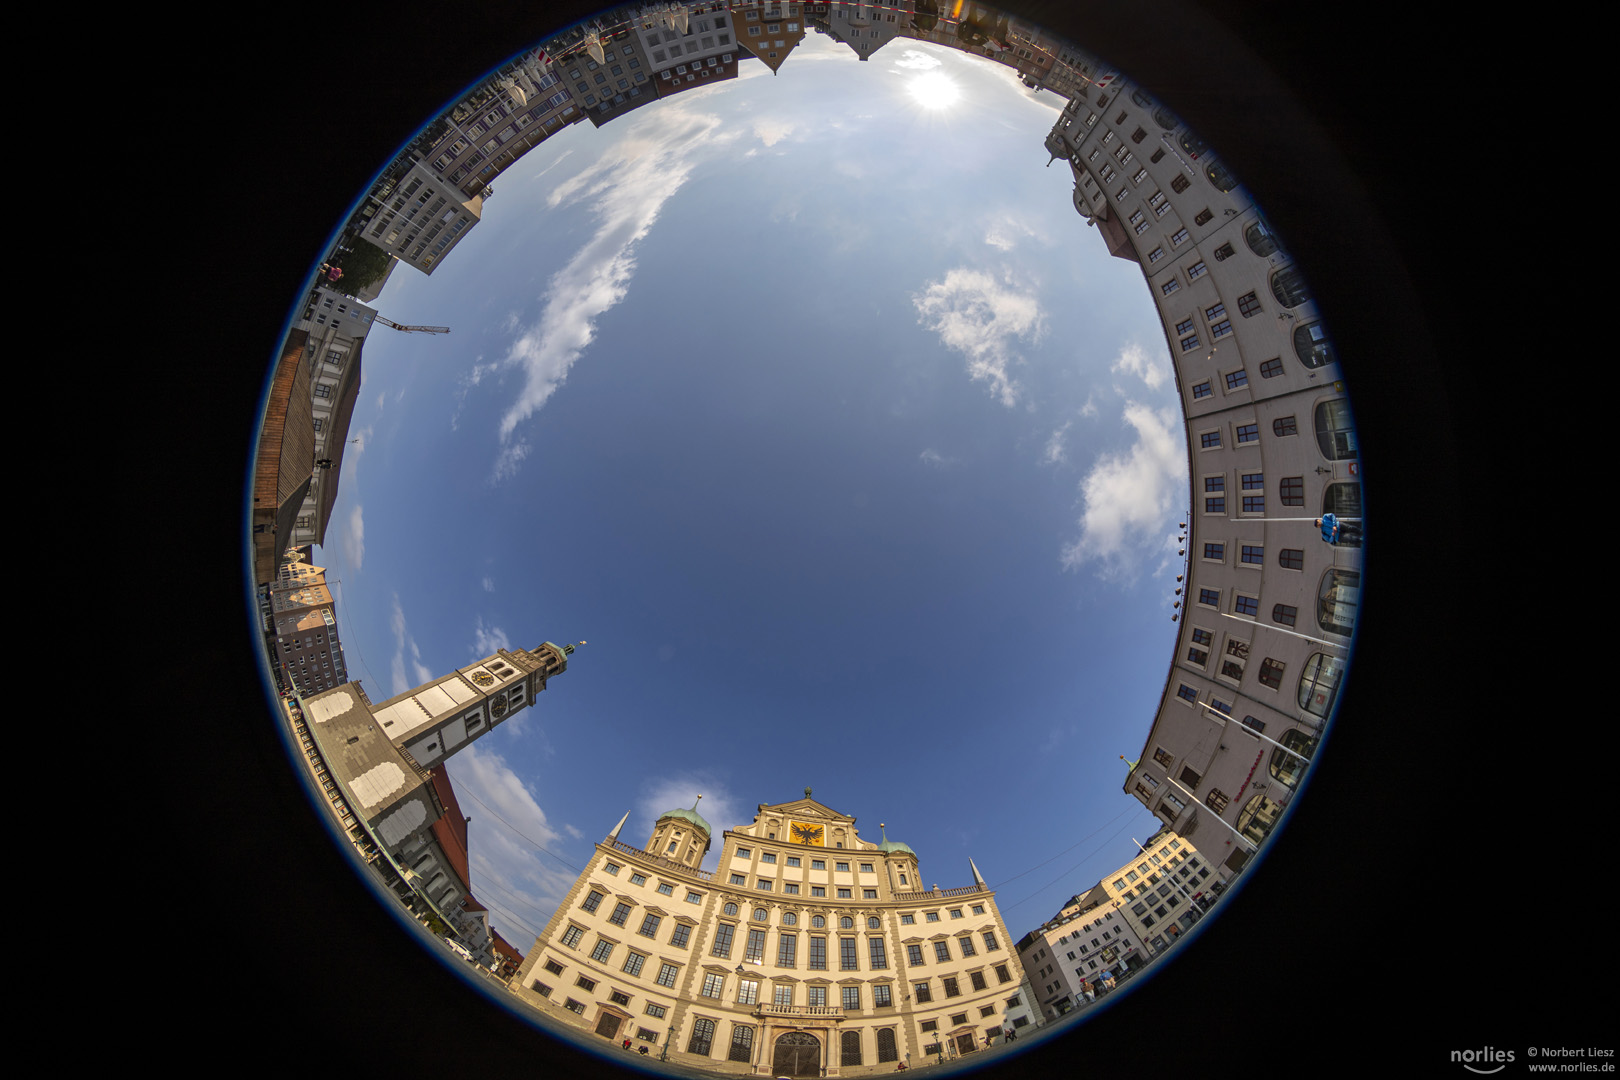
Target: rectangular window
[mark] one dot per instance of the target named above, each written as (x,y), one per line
(593,901)
(638,879)
(747,991)
(1209,597)
(847,959)
(783,995)
(1254,554)
(649,925)
(1254,504)
(767,856)
(1189,343)
(1214,552)
(739,879)
(879,957)
(621,912)
(1248,305)
(1209,440)
(680,936)
(633,963)
(977,978)
(1284,615)
(818,890)
(1155,255)
(713,985)
(1220,329)
(1254,481)
(1291,558)
(1213,313)
(818,953)
(951,989)
(1284,425)
(1170,286)
(1271,673)
(966,945)
(571,937)
(722,941)
(1236,379)
(1202,390)
(755,949)
(942,952)
(1214,506)
(817,996)
(791,888)
(852,997)
(914,955)
(922,993)
(666,974)
(666,889)
(1196,271)
(1247,605)
(1248,433)
(762,885)
(882,996)
(1293,491)
(603,950)
(787,951)
(1271,368)
(1178,238)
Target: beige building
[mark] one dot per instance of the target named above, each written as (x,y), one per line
(808,952)
(1119,924)
(1268,608)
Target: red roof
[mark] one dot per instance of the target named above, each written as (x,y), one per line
(451,830)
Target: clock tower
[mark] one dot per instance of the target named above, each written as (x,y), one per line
(380,755)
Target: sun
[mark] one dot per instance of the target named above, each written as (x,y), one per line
(934,90)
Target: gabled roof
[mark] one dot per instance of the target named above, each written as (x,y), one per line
(451,829)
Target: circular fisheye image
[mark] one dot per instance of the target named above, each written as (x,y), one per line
(806,539)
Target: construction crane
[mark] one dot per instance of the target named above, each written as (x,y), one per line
(414,329)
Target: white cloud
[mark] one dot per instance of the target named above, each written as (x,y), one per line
(1005,232)
(626,192)
(772,130)
(1130,497)
(1055,452)
(489,583)
(1134,360)
(403,642)
(678,792)
(487,639)
(354,538)
(1089,409)
(981,317)
(917,61)
(520,886)
(933,457)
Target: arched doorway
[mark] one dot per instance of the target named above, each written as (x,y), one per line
(797,1053)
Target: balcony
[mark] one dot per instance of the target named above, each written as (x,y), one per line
(802,1012)
(937,894)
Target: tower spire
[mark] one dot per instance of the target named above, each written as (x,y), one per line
(978,879)
(614,835)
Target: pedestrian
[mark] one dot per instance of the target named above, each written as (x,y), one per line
(1335,531)
(1007,1033)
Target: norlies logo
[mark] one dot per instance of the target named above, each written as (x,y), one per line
(1488,1056)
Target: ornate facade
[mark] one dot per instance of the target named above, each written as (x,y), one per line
(808,952)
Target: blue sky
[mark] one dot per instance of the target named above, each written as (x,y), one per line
(820,414)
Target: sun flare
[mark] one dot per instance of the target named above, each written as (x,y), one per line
(934,90)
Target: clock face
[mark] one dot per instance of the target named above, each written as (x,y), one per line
(483,678)
(497,708)
(805,833)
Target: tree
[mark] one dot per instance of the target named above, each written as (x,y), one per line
(362,262)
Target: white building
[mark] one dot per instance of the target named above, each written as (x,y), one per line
(1268,608)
